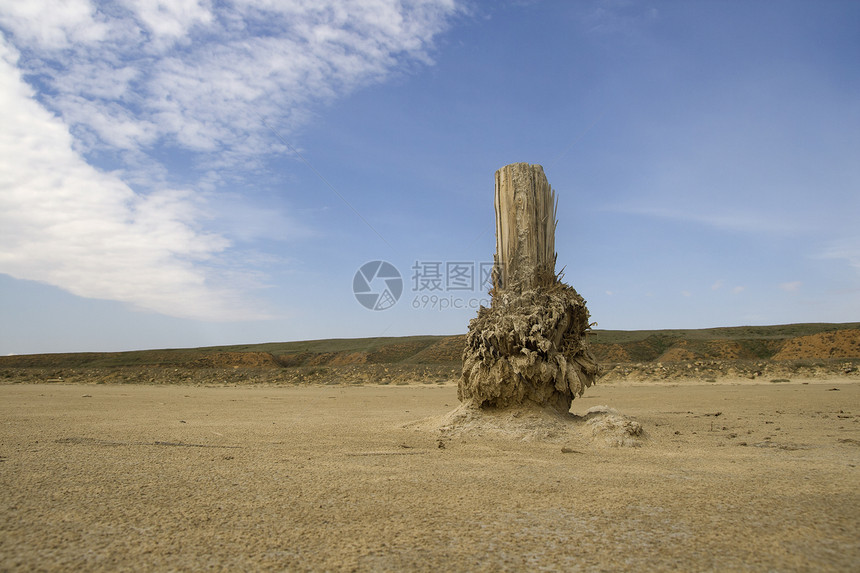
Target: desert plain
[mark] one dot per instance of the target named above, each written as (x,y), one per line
(727,475)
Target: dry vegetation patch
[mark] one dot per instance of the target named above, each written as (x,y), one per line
(237,360)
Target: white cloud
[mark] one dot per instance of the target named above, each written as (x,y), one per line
(53,25)
(137,80)
(739,289)
(172,18)
(180,73)
(717,285)
(847,249)
(65,223)
(790,286)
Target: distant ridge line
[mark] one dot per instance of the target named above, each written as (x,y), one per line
(777,342)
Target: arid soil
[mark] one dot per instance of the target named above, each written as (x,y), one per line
(741,475)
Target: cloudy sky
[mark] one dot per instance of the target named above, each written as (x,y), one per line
(198,172)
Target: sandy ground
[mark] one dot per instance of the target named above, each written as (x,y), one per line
(758,477)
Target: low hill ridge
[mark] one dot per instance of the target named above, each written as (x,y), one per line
(774,343)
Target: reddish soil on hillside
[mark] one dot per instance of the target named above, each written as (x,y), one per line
(838,344)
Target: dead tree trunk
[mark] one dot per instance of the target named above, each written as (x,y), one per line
(525,228)
(529,347)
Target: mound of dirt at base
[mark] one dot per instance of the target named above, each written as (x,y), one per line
(600,426)
(836,344)
(612,428)
(237,359)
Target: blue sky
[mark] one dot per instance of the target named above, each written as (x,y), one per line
(192,172)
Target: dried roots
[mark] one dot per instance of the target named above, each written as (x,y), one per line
(528,346)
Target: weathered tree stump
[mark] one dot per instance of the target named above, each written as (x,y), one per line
(529,346)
